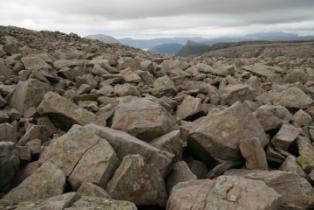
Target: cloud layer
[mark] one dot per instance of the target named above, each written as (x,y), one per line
(156,18)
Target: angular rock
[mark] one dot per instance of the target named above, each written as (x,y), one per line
(272,117)
(81,149)
(47,181)
(7,132)
(188,107)
(301,118)
(292,97)
(137,182)
(9,164)
(164,86)
(285,136)
(28,94)
(180,173)
(125,144)
(226,192)
(218,135)
(35,63)
(65,112)
(142,118)
(170,142)
(254,154)
(298,195)
(126,90)
(92,190)
(93,203)
(234,93)
(306,151)
(290,164)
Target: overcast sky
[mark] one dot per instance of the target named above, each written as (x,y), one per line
(161,18)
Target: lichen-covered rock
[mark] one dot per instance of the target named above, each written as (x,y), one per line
(65,112)
(28,94)
(218,135)
(83,156)
(225,192)
(138,182)
(142,118)
(45,182)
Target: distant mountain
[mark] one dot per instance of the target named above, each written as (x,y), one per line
(166,49)
(193,48)
(103,38)
(150,43)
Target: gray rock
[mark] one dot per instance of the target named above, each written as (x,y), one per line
(164,86)
(137,182)
(28,94)
(7,132)
(9,164)
(218,135)
(225,192)
(142,118)
(254,154)
(285,136)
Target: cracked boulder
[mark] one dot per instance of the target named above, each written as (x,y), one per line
(138,182)
(225,192)
(218,135)
(64,112)
(142,118)
(125,144)
(83,156)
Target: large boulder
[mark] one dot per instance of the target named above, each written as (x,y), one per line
(125,144)
(218,135)
(137,182)
(142,118)
(233,93)
(9,164)
(226,192)
(64,112)
(45,182)
(83,156)
(28,94)
(296,192)
(35,63)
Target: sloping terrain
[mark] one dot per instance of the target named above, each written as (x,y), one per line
(86,125)
(263,49)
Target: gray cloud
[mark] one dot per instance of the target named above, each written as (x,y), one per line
(161,17)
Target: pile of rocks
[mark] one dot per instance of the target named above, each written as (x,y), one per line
(87,125)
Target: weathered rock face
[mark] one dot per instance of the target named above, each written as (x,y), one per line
(90,203)
(46,182)
(83,156)
(293,196)
(28,94)
(165,86)
(9,164)
(142,118)
(65,112)
(226,192)
(234,93)
(137,182)
(219,135)
(285,137)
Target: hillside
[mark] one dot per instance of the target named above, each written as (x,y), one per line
(103,38)
(166,49)
(193,48)
(86,125)
(263,49)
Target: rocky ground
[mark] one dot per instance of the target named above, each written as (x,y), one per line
(86,125)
